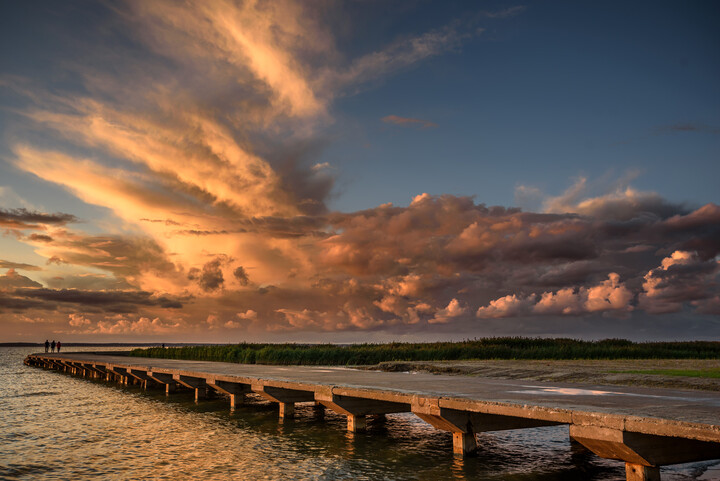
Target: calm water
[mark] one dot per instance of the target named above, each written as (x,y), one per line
(54,426)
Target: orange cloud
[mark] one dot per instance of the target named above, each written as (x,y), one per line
(260,38)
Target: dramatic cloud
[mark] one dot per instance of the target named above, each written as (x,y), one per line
(432,263)
(260,40)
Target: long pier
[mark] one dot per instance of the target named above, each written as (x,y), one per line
(645,428)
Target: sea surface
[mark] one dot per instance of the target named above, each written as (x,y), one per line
(56,426)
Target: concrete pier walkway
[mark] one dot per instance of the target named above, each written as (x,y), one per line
(646,428)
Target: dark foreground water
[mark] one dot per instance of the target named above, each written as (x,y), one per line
(55,426)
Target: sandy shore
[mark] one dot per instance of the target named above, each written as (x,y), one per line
(582,371)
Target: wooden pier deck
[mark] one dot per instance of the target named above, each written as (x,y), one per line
(645,428)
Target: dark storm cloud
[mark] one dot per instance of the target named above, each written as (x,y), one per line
(26,219)
(40,238)
(697,231)
(210,278)
(682,278)
(241,276)
(104,301)
(310,184)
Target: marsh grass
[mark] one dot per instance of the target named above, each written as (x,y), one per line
(486,348)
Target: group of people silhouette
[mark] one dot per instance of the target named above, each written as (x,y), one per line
(52,345)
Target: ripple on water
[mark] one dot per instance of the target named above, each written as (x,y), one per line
(29,471)
(30,394)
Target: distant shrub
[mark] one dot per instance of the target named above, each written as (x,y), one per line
(485,348)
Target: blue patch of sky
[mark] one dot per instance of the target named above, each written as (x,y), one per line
(558,91)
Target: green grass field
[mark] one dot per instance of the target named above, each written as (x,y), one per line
(487,348)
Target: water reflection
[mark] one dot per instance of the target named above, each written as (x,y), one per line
(57,426)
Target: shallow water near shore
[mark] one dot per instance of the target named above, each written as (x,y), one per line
(56,426)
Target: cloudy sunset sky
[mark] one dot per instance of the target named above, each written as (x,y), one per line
(222,171)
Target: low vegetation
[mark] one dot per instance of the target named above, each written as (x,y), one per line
(488,348)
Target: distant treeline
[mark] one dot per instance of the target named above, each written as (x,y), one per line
(490,348)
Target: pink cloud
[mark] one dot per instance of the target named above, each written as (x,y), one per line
(453,310)
(609,296)
(508,306)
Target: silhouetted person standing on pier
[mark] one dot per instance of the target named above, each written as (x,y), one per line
(47,345)
(52,346)
(58,346)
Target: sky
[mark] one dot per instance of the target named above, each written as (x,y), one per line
(358,171)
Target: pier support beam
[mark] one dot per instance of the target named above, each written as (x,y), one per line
(464,443)
(95,371)
(465,424)
(236,391)
(286,398)
(457,422)
(198,384)
(100,371)
(165,379)
(286,410)
(356,408)
(65,367)
(124,376)
(643,453)
(145,380)
(638,472)
(319,409)
(356,423)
